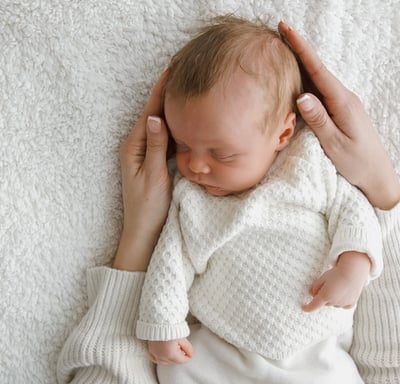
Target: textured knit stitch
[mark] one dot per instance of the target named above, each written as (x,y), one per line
(376,341)
(244,264)
(90,352)
(102,348)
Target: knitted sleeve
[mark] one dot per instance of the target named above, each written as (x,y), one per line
(352,222)
(353,225)
(376,341)
(103,347)
(164,303)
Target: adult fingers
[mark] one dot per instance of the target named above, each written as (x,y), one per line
(342,104)
(133,149)
(153,107)
(317,118)
(326,83)
(157,143)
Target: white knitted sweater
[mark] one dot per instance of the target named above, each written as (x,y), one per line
(104,349)
(243,264)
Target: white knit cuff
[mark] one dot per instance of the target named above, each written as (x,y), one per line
(114,285)
(103,344)
(364,240)
(161,332)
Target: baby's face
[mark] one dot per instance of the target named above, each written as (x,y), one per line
(221,143)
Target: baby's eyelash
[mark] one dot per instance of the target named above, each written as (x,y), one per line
(181,147)
(225,157)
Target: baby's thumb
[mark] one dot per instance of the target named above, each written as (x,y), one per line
(157,142)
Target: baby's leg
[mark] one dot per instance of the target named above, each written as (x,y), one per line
(215,361)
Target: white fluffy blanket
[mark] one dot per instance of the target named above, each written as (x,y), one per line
(74,76)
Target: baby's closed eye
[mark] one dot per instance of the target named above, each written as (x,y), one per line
(224,156)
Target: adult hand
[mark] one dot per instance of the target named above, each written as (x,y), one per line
(146,187)
(344,128)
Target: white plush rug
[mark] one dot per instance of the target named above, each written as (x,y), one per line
(74,76)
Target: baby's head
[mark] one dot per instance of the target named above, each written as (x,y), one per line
(229,103)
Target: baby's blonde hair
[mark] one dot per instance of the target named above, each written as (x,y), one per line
(230,43)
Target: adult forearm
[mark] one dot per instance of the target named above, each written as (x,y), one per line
(383,194)
(135,250)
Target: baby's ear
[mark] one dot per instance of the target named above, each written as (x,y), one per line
(287,132)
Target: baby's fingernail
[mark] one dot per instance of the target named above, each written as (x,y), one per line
(307,300)
(305,102)
(154,124)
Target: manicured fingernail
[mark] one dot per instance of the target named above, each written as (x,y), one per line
(284,28)
(287,26)
(154,124)
(305,102)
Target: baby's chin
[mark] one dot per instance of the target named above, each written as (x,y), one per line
(216,191)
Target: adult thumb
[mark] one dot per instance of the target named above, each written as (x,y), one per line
(157,142)
(316,117)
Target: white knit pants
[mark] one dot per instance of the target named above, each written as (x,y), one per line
(217,362)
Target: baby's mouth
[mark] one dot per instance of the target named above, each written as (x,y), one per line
(211,189)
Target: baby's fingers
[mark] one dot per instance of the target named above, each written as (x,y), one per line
(317,285)
(186,347)
(180,357)
(318,300)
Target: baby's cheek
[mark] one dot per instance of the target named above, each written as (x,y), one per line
(182,163)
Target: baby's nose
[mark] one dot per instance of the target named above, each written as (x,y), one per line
(198,164)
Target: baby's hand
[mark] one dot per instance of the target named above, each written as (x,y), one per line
(341,286)
(170,352)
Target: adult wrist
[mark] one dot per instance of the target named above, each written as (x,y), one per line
(385,195)
(133,253)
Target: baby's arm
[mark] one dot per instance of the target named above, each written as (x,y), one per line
(341,285)
(356,243)
(170,352)
(164,303)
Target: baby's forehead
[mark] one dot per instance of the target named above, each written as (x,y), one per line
(226,126)
(230,85)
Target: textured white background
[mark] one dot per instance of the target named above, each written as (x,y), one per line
(74,76)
